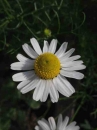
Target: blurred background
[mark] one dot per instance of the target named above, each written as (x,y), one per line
(73,21)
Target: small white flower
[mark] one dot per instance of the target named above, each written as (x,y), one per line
(61,124)
(47,69)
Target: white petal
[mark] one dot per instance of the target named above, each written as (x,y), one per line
(76,128)
(36,46)
(35,81)
(59,123)
(72,58)
(52,123)
(71,63)
(68,53)
(53,45)
(66,64)
(22,58)
(23,76)
(22,65)
(72,74)
(67,84)
(64,59)
(72,128)
(39,90)
(61,87)
(23,84)
(43,125)
(61,50)
(72,124)
(65,122)
(77,67)
(29,51)
(45,47)
(36,127)
(53,92)
(44,120)
(46,91)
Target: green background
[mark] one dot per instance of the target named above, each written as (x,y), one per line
(73,21)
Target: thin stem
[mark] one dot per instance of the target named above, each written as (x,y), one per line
(81,23)
(4,23)
(66,108)
(41,20)
(77,110)
(5,9)
(43,8)
(60,4)
(30,29)
(58,21)
(20,5)
(49,105)
(48,16)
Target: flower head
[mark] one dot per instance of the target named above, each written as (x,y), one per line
(46,70)
(47,32)
(61,124)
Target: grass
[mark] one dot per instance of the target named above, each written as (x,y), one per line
(66,20)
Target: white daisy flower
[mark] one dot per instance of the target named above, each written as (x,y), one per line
(61,124)
(46,70)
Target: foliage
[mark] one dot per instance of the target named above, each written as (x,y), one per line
(66,20)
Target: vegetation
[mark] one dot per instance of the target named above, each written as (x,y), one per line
(73,21)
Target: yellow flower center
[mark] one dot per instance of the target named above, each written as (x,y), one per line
(47,66)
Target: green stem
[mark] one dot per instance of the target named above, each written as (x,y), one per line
(30,30)
(40,20)
(60,4)
(66,109)
(43,8)
(77,110)
(5,9)
(20,5)
(4,23)
(58,20)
